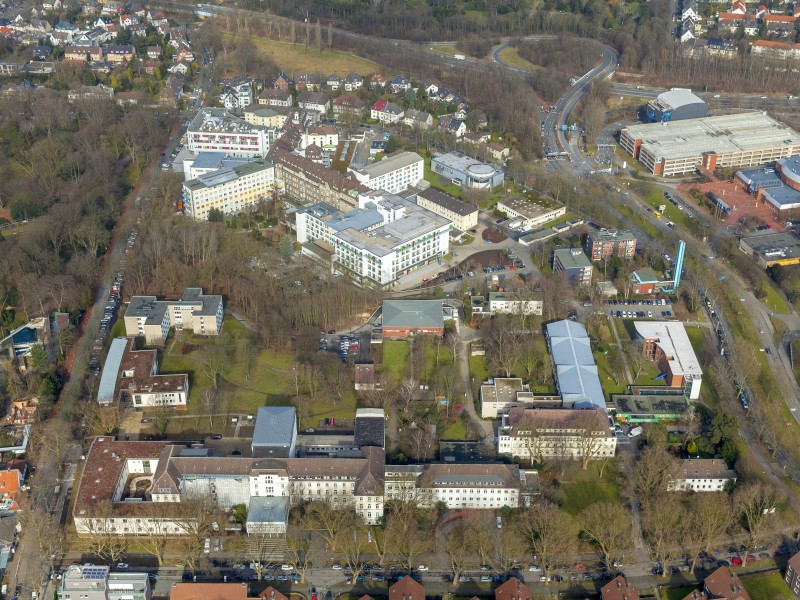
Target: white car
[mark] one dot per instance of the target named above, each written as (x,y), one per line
(287,568)
(535,569)
(422,568)
(122,566)
(337,567)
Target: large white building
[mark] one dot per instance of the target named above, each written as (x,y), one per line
(230,189)
(217,130)
(384,238)
(537,434)
(509,303)
(394,174)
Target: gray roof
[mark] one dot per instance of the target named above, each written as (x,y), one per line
(391,163)
(275,426)
(268,509)
(575,368)
(369,427)
(358,219)
(413,313)
(448,202)
(108,380)
(571,258)
(677,97)
(225,175)
(147,306)
(611,235)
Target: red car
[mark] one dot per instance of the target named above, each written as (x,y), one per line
(736,560)
(751,558)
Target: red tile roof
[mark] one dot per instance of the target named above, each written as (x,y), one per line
(513,589)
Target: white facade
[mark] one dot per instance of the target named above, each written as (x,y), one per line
(506,304)
(216,130)
(229,190)
(379,244)
(393,174)
(702,475)
(237,96)
(162,395)
(324,137)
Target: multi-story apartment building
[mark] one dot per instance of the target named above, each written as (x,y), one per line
(152,319)
(508,303)
(237,94)
(464,216)
(535,434)
(792,576)
(306,182)
(217,130)
(326,138)
(386,237)
(529,213)
(702,475)
(229,190)
(606,243)
(572,262)
(95,582)
(394,174)
(131,377)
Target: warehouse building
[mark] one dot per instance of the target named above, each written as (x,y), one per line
(529,213)
(676,105)
(737,140)
(769,249)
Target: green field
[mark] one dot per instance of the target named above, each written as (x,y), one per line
(588,487)
(294,58)
(604,372)
(676,593)
(766,587)
(455,431)
(774,301)
(656,198)
(477,369)
(395,358)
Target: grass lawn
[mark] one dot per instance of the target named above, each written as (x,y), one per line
(293,58)
(447,49)
(455,431)
(477,368)
(563,219)
(642,221)
(774,301)
(656,198)
(511,57)
(434,180)
(766,587)
(588,487)
(646,377)
(676,593)
(395,358)
(604,371)
(118,330)
(466,240)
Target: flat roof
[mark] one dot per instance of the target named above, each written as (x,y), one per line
(677,97)
(611,235)
(391,163)
(275,426)
(783,198)
(219,120)
(648,404)
(772,246)
(448,202)
(108,380)
(530,209)
(646,275)
(671,337)
(572,258)
(226,175)
(413,314)
(383,240)
(575,368)
(465,164)
(721,134)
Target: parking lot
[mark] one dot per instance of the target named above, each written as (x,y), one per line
(660,308)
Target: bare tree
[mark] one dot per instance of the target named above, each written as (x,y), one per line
(756,502)
(655,470)
(330,522)
(479,527)
(503,344)
(106,542)
(711,517)
(608,527)
(549,533)
(455,543)
(409,527)
(663,527)
(298,550)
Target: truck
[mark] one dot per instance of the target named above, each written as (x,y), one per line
(635,431)
(459,57)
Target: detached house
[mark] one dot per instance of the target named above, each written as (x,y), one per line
(126,21)
(308,81)
(453,126)
(619,589)
(377,82)
(282,82)
(153,52)
(399,84)
(386,112)
(275,97)
(348,105)
(333,82)
(418,118)
(353,82)
(316,101)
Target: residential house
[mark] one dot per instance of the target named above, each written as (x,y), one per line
(732,22)
(774,49)
(365,377)
(138,30)
(308,81)
(497,151)
(512,589)
(150,66)
(157,18)
(792,577)
(724,585)
(407,589)
(91,92)
(314,101)
(333,82)
(453,126)
(184,53)
(10,485)
(716,45)
(687,32)
(40,52)
(275,97)
(119,53)
(282,82)
(417,119)
(478,137)
(761,12)
(153,52)
(399,84)
(619,589)
(83,53)
(738,8)
(702,475)
(173,87)
(349,105)
(237,94)
(386,112)
(377,82)
(780,25)
(103,22)
(353,82)
(430,87)
(690,10)
(128,20)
